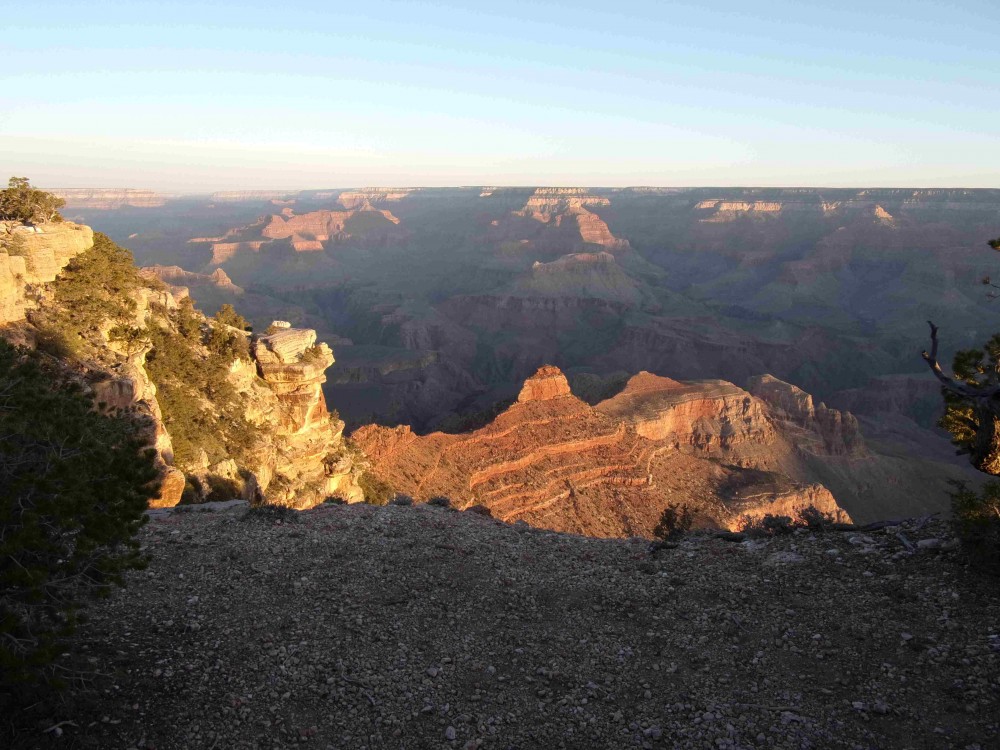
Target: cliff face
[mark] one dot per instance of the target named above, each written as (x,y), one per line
(352,199)
(43,251)
(295,453)
(237,196)
(308,232)
(311,463)
(557,206)
(707,415)
(609,470)
(177,276)
(839,431)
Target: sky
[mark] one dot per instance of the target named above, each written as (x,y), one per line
(194,97)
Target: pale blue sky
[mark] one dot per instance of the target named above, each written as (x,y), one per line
(200,96)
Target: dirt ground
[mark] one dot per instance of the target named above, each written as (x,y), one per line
(422,627)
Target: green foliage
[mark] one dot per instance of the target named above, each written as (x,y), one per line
(313,354)
(222,489)
(192,492)
(132,339)
(13,244)
(73,487)
(227,344)
(96,286)
(976,519)
(769,525)
(675,521)
(21,202)
(201,408)
(377,491)
(973,419)
(188,321)
(227,315)
(979,368)
(815,519)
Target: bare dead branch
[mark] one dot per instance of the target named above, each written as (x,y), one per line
(951,384)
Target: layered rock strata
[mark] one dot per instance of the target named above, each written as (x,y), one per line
(310,464)
(176,276)
(838,430)
(108,199)
(557,206)
(307,233)
(609,470)
(352,199)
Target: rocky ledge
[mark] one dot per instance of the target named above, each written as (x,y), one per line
(421,627)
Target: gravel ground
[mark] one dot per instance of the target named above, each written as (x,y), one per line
(421,627)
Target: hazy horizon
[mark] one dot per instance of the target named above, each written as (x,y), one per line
(522,186)
(192,98)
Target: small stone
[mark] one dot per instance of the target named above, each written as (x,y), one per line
(449,733)
(929,544)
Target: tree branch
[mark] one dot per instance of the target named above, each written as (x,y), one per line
(951,384)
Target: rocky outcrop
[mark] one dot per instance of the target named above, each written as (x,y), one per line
(839,431)
(723,210)
(609,470)
(706,415)
(130,389)
(792,503)
(310,464)
(42,251)
(581,275)
(316,225)
(177,276)
(353,199)
(108,199)
(883,217)
(12,288)
(556,206)
(546,384)
(307,233)
(297,457)
(223,251)
(46,250)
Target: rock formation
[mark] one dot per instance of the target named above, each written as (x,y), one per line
(239,196)
(177,277)
(353,199)
(581,275)
(558,205)
(299,458)
(609,470)
(307,233)
(839,431)
(43,251)
(311,464)
(548,383)
(100,199)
